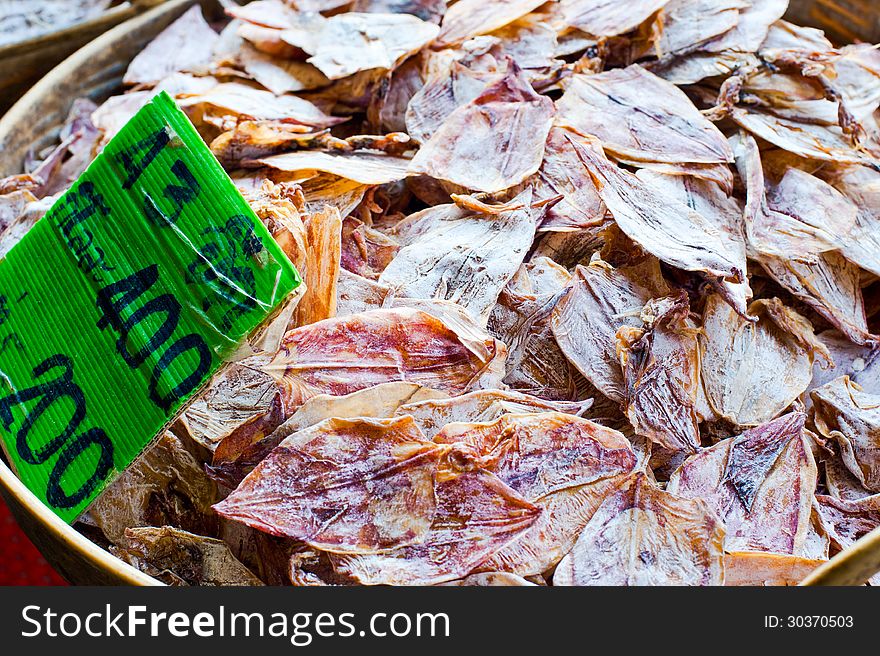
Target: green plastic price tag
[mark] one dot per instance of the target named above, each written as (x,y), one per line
(122,301)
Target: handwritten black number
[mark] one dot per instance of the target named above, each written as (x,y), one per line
(128,290)
(191,382)
(81,204)
(55,494)
(117,297)
(136,158)
(165,304)
(178,194)
(49,393)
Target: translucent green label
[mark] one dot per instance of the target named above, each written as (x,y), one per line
(122,301)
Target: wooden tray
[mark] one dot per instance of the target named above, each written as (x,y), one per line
(25,62)
(844,21)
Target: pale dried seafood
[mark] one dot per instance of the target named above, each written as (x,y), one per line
(582,279)
(356,486)
(760,484)
(661,375)
(180,558)
(677,541)
(753,370)
(847,414)
(493,142)
(459,255)
(563,464)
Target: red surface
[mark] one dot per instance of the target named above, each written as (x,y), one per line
(20,562)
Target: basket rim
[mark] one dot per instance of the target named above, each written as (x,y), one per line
(111,16)
(50,522)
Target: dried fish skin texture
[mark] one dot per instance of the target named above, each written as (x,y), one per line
(848,521)
(237,454)
(824,214)
(355,294)
(342,355)
(641,535)
(831,286)
(362,167)
(234,100)
(723,212)
(796,214)
(166,485)
(477,515)
(444,90)
(338,356)
(249,140)
(348,43)
(278,207)
(845,413)
(664,227)
(380,401)
(563,464)
(861,184)
(327,189)
(322,262)
(661,374)
(827,282)
(240,397)
(531,41)
(586,320)
(760,484)
(278,75)
(462,256)
(810,141)
(535,363)
(689,24)
(521,319)
(185,45)
(860,363)
(753,371)
(611,106)
(793,214)
(561,173)
(840,481)
(492,143)
(751,30)
(469,18)
(540,276)
(481,406)
(366,251)
(183,558)
(538,454)
(267,13)
(354,486)
(608,17)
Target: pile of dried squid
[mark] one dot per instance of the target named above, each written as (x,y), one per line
(591,296)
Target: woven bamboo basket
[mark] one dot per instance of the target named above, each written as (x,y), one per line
(96,71)
(25,62)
